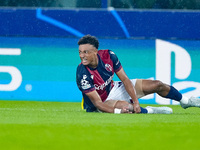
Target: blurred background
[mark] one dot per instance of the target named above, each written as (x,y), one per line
(154,39)
(127,4)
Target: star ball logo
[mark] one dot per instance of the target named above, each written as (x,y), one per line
(84,83)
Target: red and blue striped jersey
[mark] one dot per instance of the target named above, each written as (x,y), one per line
(99,78)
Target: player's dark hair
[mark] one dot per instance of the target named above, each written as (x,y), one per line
(88,39)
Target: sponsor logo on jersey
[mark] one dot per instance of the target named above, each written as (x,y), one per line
(102,86)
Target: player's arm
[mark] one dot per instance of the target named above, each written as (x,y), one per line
(96,100)
(129,88)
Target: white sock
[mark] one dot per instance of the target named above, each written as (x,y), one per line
(149,110)
(184,100)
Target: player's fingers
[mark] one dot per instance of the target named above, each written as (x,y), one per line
(124,110)
(137,110)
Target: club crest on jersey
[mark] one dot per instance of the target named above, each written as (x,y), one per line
(108,67)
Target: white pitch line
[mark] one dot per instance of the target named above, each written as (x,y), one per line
(21,109)
(10,51)
(26,109)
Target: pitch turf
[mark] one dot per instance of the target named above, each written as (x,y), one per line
(55,125)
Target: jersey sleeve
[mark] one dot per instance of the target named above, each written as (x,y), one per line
(84,80)
(116,63)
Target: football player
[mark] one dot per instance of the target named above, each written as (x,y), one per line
(94,77)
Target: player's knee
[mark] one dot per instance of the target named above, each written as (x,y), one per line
(159,86)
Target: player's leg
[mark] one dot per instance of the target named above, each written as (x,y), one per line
(120,104)
(162,89)
(150,110)
(166,91)
(119,98)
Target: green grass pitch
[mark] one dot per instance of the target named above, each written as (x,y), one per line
(59,126)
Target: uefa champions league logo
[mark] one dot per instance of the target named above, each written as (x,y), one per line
(84,83)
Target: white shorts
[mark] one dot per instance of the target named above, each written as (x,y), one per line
(119,92)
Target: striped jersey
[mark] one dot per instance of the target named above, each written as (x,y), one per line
(100,78)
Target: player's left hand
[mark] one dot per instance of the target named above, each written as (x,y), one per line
(126,109)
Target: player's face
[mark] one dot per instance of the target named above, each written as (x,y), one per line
(88,55)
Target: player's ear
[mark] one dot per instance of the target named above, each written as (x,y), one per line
(96,50)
